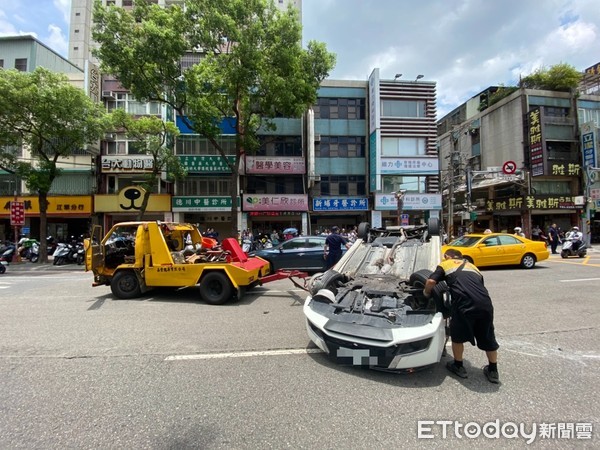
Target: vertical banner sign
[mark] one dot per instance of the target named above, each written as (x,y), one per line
(17,214)
(589,150)
(536,149)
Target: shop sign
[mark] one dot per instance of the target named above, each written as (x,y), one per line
(340,204)
(425,166)
(272,202)
(536,147)
(206,163)
(62,205)
(412,202)
(208,204)
(271,213)
(520,203)
(589,150)
(130,199)
(278,165)
(566,169)
(127,164)
(17,213)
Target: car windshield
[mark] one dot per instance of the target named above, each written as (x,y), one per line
(465,241)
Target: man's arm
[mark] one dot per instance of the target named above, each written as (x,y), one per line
(433,279)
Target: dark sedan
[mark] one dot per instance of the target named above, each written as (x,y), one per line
(301,253)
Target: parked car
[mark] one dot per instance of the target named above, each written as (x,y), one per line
(300,253)
(499,249)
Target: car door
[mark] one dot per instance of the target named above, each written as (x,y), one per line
(513,249)
(290,254)
(490,252)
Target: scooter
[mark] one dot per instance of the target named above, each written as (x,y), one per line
(568,250)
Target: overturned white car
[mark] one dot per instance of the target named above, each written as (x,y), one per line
(368,310)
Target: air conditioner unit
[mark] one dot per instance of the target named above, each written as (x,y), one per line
(107,94)
(317,138)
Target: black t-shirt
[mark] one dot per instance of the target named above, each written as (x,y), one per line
(335,242)
(469,294)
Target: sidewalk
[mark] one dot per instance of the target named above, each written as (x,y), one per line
(24,267)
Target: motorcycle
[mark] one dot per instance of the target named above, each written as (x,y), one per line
(69,254)
(7,252)
(568,248)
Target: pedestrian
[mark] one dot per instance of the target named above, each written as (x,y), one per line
(535,233)
(333,247)
(554,237)
(519,232)
(471,312)
(487,231)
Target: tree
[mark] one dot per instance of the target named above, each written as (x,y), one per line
(252,67)
(560,77)
(46,115)
(152,134)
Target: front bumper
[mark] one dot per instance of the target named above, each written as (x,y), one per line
(408,348)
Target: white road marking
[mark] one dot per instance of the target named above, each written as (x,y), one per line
(299,351)
(4,287)
(579,279)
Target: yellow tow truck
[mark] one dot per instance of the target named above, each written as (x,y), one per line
(134,257)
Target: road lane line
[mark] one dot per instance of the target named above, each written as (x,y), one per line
(579,279)
(292,351)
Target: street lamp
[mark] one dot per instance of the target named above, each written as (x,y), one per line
(399,203)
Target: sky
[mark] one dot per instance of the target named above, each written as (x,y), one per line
(462,45)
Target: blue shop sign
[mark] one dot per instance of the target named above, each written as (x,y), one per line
(340,204)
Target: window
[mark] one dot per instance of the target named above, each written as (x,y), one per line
(508,240)
(280,146)
(340,108)
(77,14)
(403,108)
(340,147)
(196,145)
(76,31)
(393,183)
(402,146)
(342,185)
(1,63)
(285,184)
(75,48)
(204,186)
(21,64)
(553,111)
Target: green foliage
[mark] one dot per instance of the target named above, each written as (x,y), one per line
(501,92)
(49,117)
(560,77)
(249,63)
(151,133)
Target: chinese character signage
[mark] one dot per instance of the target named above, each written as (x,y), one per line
(127,164)
(271,164)
(519,203)
(424,166)
(206,163)
(536,147)
(589,150)
(340,204)
(275,202)
(412,202)
(17,214)
(571,169)
(215,203)
(60,205)
(593,70)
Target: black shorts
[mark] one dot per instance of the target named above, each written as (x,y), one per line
(478,327)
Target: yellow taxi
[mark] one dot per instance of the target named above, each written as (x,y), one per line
(499,249)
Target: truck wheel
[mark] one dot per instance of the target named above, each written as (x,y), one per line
(125,285)
(215,288)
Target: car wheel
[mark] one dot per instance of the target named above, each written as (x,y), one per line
(215,288)
(330,280)
(468,259)
(2,269)
(125,285)
(433,226)
(528,261)
(364,229)
(418,280)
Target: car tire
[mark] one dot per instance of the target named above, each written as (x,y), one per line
(215,288)
(2,269)
(125,285)
(434,226)
(330,280)
(528,261)
(418,280)
(364,229)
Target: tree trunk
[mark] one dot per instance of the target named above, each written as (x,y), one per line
(43,200)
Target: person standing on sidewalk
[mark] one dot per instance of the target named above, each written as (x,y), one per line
(471,312)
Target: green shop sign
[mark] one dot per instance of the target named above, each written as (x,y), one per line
(216,203)
(206,163)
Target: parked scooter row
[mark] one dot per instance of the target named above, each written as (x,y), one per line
(29,249)
(69,253)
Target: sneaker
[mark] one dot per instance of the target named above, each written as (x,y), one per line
(459,371)
(491,375)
